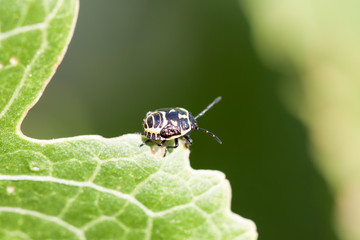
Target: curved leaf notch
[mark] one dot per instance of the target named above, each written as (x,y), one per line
(89,187)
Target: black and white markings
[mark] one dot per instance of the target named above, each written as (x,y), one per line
(172,123)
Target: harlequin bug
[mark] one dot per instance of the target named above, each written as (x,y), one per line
(172,123)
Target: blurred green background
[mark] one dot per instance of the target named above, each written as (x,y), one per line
(129,57)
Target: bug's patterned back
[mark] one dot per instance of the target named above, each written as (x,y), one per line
(168,123)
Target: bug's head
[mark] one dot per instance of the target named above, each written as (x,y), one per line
(192,121)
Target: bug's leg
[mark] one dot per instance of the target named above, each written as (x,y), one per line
(146,141)
(175,146)
(154,142)
(189,141)
(161,144)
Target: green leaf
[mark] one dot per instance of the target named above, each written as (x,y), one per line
(89,187)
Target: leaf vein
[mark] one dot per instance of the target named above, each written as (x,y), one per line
(38,53)
(77,184)
(43,216)
(22,29)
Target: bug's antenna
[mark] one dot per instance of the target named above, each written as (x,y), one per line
(207,108)
(210,133)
